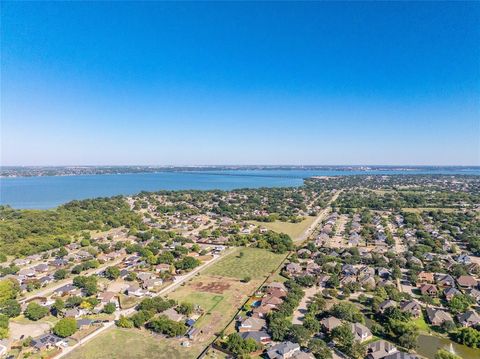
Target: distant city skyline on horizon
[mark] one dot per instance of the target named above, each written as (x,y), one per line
(203,84)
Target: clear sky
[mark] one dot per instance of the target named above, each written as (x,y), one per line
(240,83)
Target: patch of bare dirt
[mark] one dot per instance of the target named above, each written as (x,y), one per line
(213,287)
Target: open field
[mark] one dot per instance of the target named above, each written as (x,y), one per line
(254,263)
(294,230)
(131,344)
(218,291)
(421,209)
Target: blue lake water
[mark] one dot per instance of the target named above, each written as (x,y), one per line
(48,192)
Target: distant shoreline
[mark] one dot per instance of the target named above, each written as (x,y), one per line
(50,171)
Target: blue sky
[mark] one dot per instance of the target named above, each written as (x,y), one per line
(240,83)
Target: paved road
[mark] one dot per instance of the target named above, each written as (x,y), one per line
(323,213)
(178,282)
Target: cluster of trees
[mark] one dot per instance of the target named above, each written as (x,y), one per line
(9,307)
(166,326)
(90,264)
(148,309)
(467,336)
(24,232)
(275,242)
(240,347)
(346,343)
(87,284)
(279,324)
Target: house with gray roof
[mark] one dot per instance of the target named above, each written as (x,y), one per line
(283,350)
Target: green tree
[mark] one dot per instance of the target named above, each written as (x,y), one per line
(4,326)
(35,311)
(109,308)
(60,274)
(347,311)
(65,327)
(299,334)
(124,322)
(112,272)
(11,308)
(460,303)
(185,308)
(57,307)
(468,336)
(319,349)
(279,328)
(8,290)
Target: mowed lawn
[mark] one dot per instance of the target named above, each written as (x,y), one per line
(254,263)
(131,344)
(294,230)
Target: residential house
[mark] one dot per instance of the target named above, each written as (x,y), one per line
(380,349)
(66,289)
(135,290)
(445,280)
(386,304)
(467,281)
(361,332)
(412,307)
(283,350)
(41,268)
(164,268)
(84,323)
(152,283)
(475,294)
(464,259)
(252,324)
(172,314)
(330,323)
(469,319)
(48,341)
(401,355)
(438,316)
(425,277)
(260,336)
(276,285)
(108,297)
(73,313)
(293,268)
(429,289)
(449,293)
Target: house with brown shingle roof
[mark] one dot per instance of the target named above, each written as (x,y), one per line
(429,289)
(467,281)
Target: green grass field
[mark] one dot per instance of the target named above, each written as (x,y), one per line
(131,344)
(255,263)
(294,230)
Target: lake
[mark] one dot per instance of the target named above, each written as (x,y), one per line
(428,345)
(49,192)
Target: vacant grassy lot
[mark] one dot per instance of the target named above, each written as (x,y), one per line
(254,263)
(294,230)
(131,344)
(421,209)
